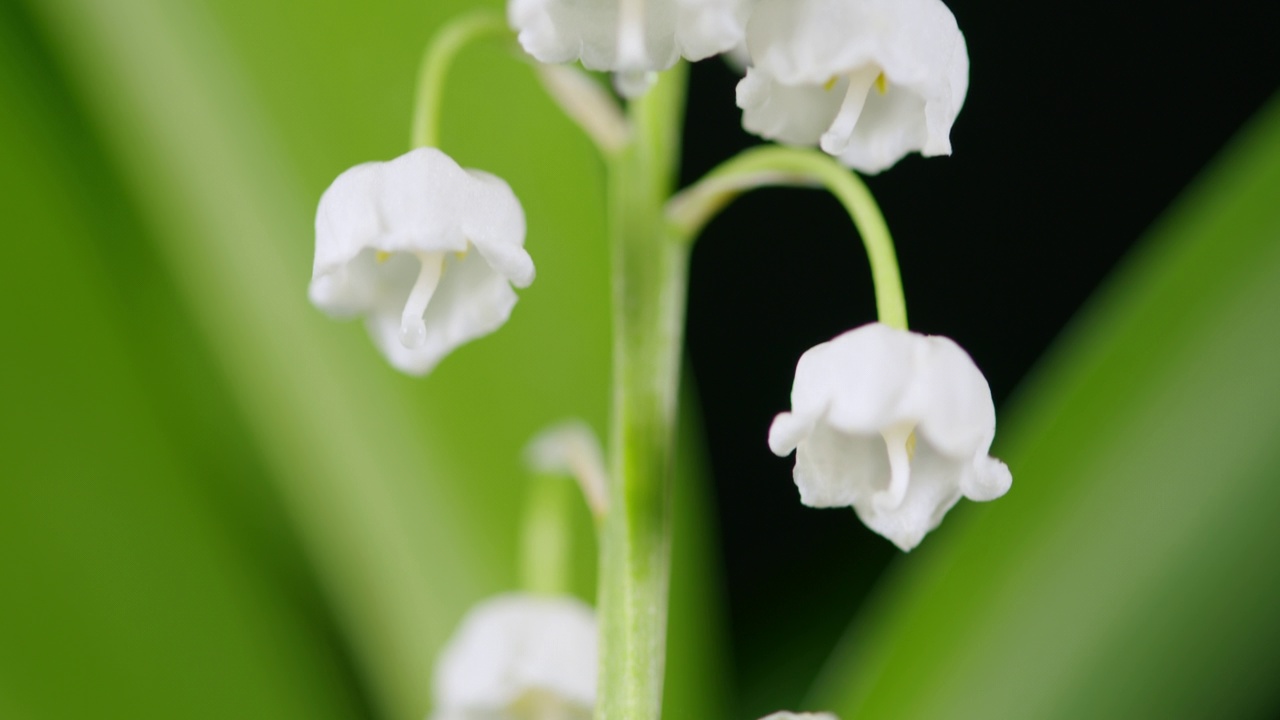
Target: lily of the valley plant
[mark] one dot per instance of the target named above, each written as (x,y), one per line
(895,424)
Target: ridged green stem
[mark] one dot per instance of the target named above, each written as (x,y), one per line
(650,266)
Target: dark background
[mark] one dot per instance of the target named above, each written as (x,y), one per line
(1083,122)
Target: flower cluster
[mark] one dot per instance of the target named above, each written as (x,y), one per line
(895,424)
(868,81)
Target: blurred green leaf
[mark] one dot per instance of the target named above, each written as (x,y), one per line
(132,587)
(1131,571)
(697,683)
(350,452)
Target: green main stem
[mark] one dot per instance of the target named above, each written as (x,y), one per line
(650,264)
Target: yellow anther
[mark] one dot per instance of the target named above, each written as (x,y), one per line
(882,86)
(382,256)
(831,83)
(911,439)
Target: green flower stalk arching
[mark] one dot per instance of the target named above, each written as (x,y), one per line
(439,57)
(772,166)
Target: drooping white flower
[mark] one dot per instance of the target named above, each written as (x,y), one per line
(426,251)
(633,38)
(894,423)
(519,657)
(867,80)
(785,715)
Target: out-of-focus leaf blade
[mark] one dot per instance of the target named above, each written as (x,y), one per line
(697,683)
(126,590)
(1131,571)
(360,468)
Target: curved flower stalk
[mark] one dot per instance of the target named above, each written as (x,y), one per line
(572,449)
(633,38)
(867,80)
(896,424)
(519,657)
(424,250)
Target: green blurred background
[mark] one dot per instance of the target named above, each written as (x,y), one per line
(214,502)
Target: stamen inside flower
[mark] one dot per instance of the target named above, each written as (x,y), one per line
(631,52)
(838,136)
(882,84)
(633,79)
(381,256)
(413,331)
(900,442)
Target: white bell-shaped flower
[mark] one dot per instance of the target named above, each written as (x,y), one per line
(866,80)
(426,251)
(633,38)
(519,657)
(894,423)
(785,715)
